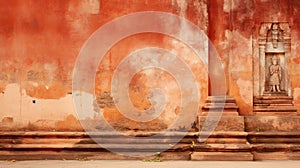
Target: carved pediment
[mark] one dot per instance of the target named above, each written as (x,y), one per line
(266,26)
(274,36)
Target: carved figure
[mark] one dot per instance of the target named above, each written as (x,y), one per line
(275,35)
(275,75)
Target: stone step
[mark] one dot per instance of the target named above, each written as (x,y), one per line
(78,145)
(273,98)
(222,147)
(276,155)
(83,138)
(223,123)
(53,134)
(220,106)
(92,141)
(274,109)
(267,113)
(273,123)
(273,105)
(50,138)
(276,101)
(72,145)
(94,155)
(275,140)
(220,99)
(219,113)
(274,137)
(223,137)
(275,147)
(268,93)
(80,141)
(222,156)
(96,147)
(224,134)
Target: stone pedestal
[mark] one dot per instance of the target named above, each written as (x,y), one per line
(216,104)
(229,140)
(274,137)
(271,104)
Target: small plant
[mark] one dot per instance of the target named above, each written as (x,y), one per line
(193,144)
(157,158)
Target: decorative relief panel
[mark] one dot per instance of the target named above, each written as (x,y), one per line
(274,49)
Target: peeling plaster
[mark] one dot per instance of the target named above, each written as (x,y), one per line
(245,90)
(297,94)
(23,108)
(229,5)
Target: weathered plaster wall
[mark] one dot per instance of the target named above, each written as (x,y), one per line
(40,41)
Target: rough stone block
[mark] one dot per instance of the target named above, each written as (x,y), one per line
(277,156)
(272,123)
(226,123)
(222,156)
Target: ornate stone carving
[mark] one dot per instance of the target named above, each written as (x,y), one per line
(285,27)
(275,40)
(272,94)
(267,26)
(275,75)
(274,49)
(275,35)
(264,27)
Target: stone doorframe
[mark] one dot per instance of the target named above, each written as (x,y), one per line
(285,50)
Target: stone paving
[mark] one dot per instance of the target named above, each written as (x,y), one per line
(144,164)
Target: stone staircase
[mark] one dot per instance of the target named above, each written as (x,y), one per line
(274,104)
(274,137)
(224,146)
(214,104)
(275,145)
(220,145)
(79,145)
(229,139)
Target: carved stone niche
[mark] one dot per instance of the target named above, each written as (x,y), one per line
(274,46)
(273,94)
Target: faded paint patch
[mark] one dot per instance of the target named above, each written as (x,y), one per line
(202,20)
(296,95)
(94,6)
(70,123)
(85,6)
(240,54)
(245,90)
(229,5)
(24,109)
(182,4)
(10,100)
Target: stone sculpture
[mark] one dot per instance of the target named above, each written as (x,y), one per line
(275,75)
